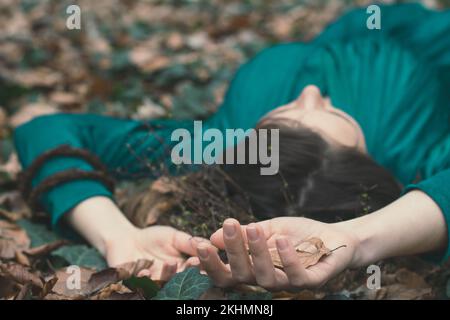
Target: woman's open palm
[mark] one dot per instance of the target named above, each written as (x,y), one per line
(284,234)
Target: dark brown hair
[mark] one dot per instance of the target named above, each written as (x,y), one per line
(315,179)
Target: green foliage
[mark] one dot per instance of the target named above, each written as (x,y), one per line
(81,255)
(145,285)
(186,285)
(192,101)
(39,234)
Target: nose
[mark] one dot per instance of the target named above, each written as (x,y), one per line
(311,98)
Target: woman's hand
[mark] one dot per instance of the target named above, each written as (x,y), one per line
(282,233)
(101,223)
(168,248)
(413,224)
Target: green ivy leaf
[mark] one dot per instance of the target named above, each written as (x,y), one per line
(148,287)
(39,234)
(186,285)
(82,256)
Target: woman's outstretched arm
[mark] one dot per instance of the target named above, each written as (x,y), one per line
(414,224)
(87,204)
(101,222)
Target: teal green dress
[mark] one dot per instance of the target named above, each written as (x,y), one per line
(395,82)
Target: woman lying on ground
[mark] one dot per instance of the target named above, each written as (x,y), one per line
(355,107)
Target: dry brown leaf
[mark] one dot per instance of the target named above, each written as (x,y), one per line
(3,117)
(61,290)
(23,292)
(21,274)
(14,207)
(39,77)
(45,248)
(145,207)
(410,279)
(402,292)
(102,279)
(12,166)
(175,41)
(12,239)
(30,111)
(309,252)
(8,287)
(115,290)
(133,268)
(22,258)
(96,283)
(8,215)
(65,99)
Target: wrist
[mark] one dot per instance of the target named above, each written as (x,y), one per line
(112,237)
(101,223)
(365,237)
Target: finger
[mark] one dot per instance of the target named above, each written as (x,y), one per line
(191,262)
(237,253)
(182,242)
(214,267)
(194,241)
(144,273)
(217,237)
(263,267)
(296,273)
(168,270)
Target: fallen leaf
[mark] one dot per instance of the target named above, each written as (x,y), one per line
(39,77)
(115,291)
(21,274)
(175,41)
(12,239)
(309,252)
(95,283)
(30,111)
(24,291)
(63,291)
(135,267)
(8,287)
(45,249)
(410,279)
(13,206)
(65,99)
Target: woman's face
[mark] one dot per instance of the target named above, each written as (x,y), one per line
(314,111)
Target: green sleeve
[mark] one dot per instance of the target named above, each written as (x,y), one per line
(438,188)
(131,148)
(267,81)
(128,148)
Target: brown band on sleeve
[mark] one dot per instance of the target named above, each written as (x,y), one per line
(67,176)
(26,177)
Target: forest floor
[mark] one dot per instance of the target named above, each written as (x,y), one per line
(143,60)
